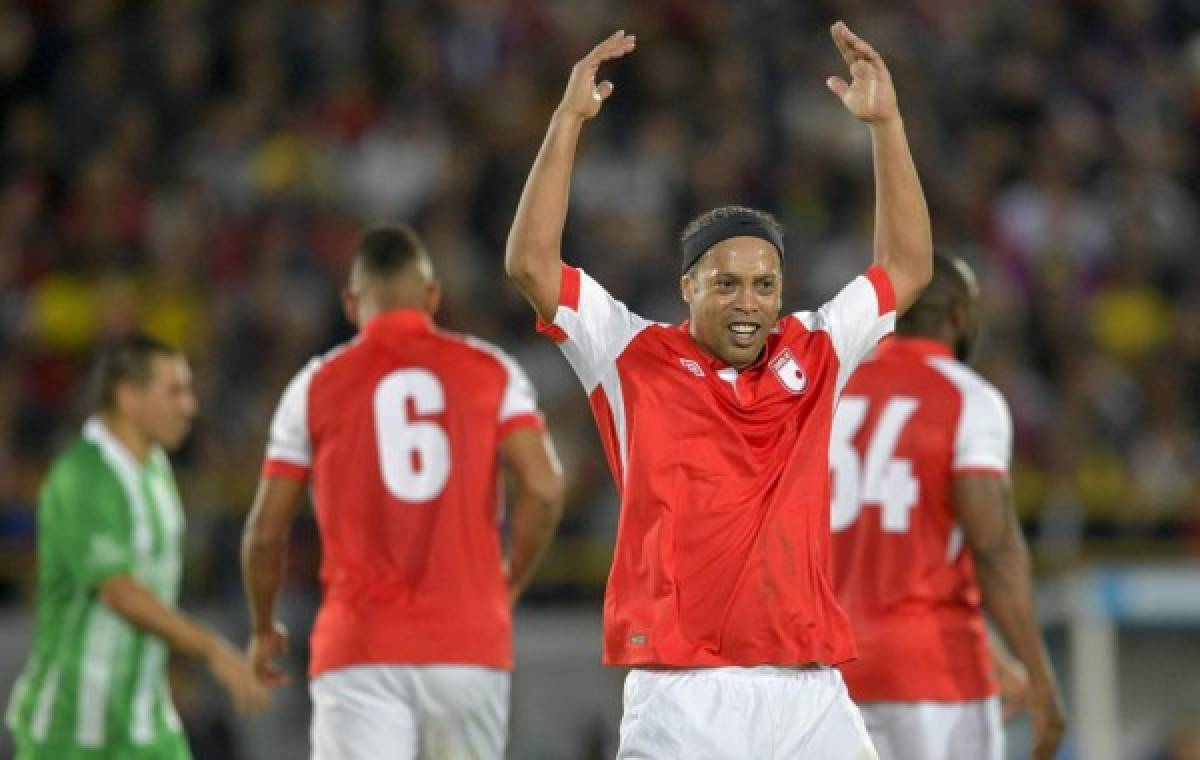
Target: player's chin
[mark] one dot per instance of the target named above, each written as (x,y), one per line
(174,438)
(740,355)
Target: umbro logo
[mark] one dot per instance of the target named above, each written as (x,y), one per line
(693,366)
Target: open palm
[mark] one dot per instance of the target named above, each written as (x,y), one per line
(869,95)
(584,94)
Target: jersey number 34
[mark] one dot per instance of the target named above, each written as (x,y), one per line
(878,478)
(414,454)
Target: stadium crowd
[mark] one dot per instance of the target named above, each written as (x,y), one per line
(203,169)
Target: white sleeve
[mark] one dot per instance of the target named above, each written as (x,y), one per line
(518,401)
(983,441)
(856,319)
(590,326)
(520,398)
(289,442)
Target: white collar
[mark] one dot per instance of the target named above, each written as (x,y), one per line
(98,433)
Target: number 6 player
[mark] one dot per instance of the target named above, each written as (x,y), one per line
(717,434)
(399,432)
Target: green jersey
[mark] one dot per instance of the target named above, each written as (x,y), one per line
(94,686)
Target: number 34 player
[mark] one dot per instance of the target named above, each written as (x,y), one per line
(923,522)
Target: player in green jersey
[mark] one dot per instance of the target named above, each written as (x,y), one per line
(110,531)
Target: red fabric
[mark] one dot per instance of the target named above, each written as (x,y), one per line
(568,296)
(722,554)
(278,468)
(518,422)
(568,289)
(553,332)
(915,608)
(883,288)
(409,583)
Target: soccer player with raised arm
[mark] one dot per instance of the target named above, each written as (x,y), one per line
(923,522)
(401,433)
(717,430)
(110,558)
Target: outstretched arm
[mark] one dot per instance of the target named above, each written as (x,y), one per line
(139,607)
(984,507)
(533,257)
(903,242)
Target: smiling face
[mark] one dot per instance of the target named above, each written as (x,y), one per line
(735,294)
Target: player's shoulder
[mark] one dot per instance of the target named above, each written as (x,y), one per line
(477,350)
(83,458)
(654,342)
(804,320)
(339,354)
(82,468)
(975,390)
(809,329)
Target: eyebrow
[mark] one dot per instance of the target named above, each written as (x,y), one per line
(736,276)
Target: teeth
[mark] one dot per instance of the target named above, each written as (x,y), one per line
(743,329)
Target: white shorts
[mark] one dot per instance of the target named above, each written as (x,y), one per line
(936,730)
(404,712)
(740,713)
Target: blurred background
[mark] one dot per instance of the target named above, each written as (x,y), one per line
(202,169)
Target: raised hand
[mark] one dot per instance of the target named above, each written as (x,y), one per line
(870,95)
(584,96)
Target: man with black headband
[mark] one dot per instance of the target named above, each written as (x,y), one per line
(717,434)
(923,522)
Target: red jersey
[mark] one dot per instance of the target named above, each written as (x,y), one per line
(722,554)
(912,418)
(399,431)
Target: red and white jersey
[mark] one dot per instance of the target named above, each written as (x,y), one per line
(911,419)
(398,432)
(722,554)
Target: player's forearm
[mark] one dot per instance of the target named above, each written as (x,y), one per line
(134,603)
(264,547)
(264,562)
(1006,582)
(535,519)
(535,240)
(903,240)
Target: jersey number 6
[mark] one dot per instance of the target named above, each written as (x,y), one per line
(414,454)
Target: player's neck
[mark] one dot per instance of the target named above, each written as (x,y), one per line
(944,337)
(128,435)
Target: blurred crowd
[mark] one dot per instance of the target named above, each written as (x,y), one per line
(203,169)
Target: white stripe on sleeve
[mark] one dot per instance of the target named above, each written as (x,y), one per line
(289,438)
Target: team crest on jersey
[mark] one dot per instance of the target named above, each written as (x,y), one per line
(693,366)
(789,372)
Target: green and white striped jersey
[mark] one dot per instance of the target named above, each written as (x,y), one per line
(95,686)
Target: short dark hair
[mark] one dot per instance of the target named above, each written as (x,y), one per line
(388,250)
(721,215)
(947,288)
(127,360)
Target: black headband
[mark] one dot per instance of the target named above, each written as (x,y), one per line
(729,227)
